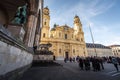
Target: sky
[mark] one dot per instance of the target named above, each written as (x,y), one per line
(103,16)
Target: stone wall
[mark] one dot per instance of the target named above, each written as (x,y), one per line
(13,58)
(43,57)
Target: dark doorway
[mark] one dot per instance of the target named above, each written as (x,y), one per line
(66,55)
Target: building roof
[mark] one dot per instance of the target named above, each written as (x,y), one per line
(65,27)
(53,29)
(91,45)
(114,46)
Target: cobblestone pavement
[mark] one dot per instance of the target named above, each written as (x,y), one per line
(70,71)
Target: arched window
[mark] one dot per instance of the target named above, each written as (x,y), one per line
(59,50)
(65,36)
(45,23)
(73,50)
(44,35)
(51,35)
(59,34)
(81,39)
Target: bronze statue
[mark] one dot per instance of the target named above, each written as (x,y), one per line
(20,17)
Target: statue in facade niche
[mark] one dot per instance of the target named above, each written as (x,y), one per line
(20,16)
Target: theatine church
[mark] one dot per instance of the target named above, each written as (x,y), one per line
(66,41)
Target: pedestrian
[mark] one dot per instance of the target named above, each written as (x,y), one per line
(115,62)
(81,63)
(65,60)
(54,58)
(70,59)
(118,59)
(101,63)
(87,64)
(77,58)
(93,63)
(97,64)
(73,59)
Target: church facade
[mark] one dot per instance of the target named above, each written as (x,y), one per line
(66,41)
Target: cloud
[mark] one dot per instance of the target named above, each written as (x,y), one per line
(100,6)
(83,9)
(103,35)
(87,10)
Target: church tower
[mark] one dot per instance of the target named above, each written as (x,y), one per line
(77,25)
(46,23)
(78,32)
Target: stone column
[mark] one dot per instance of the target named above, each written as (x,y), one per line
(70,49)
(39,26)
(28,39)
(31,25)
(33,30)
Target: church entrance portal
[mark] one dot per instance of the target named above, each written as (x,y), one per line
(66,55)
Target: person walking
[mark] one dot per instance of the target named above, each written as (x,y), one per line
(101,63)
(81,63)
(115,62)
(70,59)
(65,60)
(87,64)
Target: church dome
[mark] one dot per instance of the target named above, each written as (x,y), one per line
(46,8)
(76,16)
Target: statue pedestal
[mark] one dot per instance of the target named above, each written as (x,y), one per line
(17,30)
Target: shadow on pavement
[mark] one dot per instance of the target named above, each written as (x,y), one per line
(45,64)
